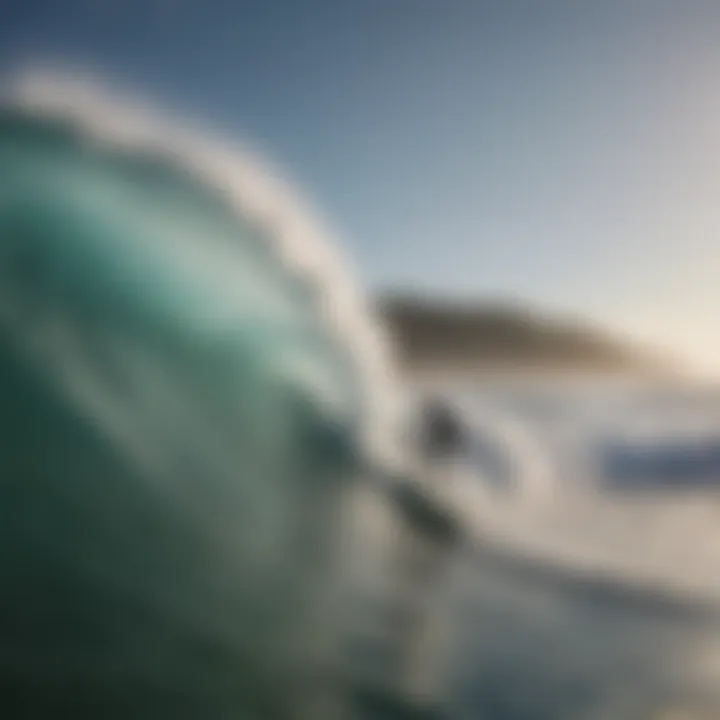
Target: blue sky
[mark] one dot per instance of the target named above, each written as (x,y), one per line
(565,152)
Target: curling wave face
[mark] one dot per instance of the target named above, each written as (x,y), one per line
(186,377)
(221,180)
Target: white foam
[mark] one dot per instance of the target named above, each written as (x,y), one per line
(668,541)
(257,193)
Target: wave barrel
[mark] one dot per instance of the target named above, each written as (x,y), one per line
(179,415)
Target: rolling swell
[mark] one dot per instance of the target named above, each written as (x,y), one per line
(185,388)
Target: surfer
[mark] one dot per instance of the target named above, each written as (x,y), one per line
(442,434)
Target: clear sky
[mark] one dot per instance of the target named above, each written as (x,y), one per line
(566,152)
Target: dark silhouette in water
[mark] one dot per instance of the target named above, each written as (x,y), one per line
(442,433)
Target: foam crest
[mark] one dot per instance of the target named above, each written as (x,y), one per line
(256,192)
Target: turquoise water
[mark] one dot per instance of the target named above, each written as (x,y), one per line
(178,422)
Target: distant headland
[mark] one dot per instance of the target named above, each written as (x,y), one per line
(436,334)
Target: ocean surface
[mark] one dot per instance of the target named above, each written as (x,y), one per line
(577,597)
